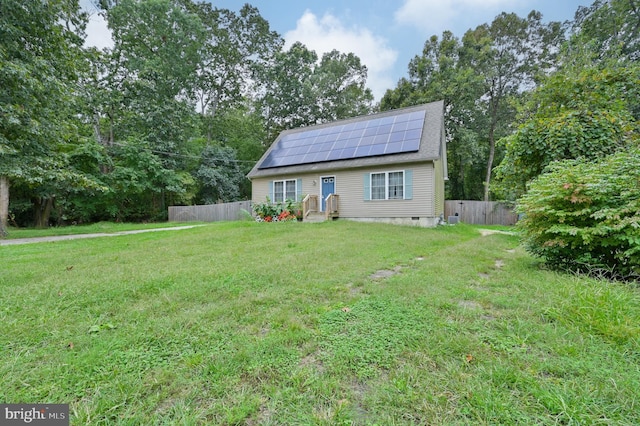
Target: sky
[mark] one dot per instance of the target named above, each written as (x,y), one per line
(384,34)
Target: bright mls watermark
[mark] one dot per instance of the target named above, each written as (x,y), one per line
(34,414)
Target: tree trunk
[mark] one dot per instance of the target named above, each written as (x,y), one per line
(492,151)
(4,206)
(495,100)
(42,211)
(462,190)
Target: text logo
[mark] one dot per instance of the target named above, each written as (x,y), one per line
(34,414)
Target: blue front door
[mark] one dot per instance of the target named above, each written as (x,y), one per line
(328,187)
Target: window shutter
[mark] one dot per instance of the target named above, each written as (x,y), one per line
(299,190)
(367,186)
(408,184)
(271,191)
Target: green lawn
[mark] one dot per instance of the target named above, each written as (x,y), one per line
(332,323)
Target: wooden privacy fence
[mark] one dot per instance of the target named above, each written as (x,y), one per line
(481,212)
(209,212)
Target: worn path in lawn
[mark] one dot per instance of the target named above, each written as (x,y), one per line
(79,236)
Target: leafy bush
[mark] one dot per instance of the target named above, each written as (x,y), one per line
(585,216)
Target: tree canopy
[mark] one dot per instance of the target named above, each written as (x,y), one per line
(190,95)
(40,62)
(481,78)
(581,114)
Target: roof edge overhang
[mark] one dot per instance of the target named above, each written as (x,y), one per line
(338,165)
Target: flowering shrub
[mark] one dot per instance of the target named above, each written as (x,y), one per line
(285,216)
(275,212)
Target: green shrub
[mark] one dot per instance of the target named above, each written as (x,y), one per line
(585,216)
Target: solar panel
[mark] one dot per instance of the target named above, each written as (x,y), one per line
(364,138)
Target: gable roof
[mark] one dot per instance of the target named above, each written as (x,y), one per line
(393,137)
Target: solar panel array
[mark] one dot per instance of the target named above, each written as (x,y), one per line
(392,134)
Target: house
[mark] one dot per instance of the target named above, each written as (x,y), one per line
(388,167)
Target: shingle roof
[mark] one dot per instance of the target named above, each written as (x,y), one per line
(401,136)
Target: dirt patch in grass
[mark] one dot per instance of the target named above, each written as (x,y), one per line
(485,232)
(385,273)
(311,361)
(354,290)
(469,304)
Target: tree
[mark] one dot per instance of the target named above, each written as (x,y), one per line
(287,90)
(243,131)
(510,54)
(585,113)
(40,58)
(158,45)
(609,26)
(340,85)
(220,175)
(438,74)
(298,91)
(139,182)
(479,78)
(236,44)
(143,90)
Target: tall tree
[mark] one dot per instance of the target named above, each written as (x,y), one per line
(589,107)
(287,89)
(510,54)
(236,43)
(340,85)
(158,44)
(609,26)
(297,90)
(40,57)
(144,86)
(438,74)
(478,78)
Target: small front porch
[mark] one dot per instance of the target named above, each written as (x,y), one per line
(312,212)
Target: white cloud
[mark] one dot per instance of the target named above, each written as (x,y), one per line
(328,33)
(434,16)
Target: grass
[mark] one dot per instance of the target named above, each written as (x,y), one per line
(333,323)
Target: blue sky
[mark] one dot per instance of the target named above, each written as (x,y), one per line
(385,34)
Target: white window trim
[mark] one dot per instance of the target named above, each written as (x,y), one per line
(386,185)
(284,189)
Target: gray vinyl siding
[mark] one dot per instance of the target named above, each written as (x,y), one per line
(350,188)
(439,188)
(261,187)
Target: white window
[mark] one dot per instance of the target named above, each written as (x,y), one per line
(378,186)
(395,185)
(387,186)
(284,190)
(290,190)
